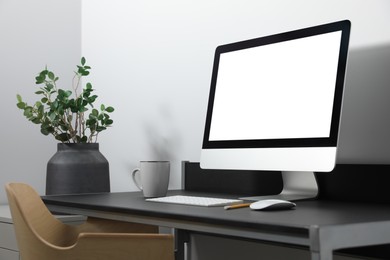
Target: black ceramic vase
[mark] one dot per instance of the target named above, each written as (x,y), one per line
(77,168)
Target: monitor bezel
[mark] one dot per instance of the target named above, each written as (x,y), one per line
(331,141)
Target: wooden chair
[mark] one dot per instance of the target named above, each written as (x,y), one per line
(40,236)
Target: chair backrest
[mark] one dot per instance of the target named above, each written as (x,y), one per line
(35,227)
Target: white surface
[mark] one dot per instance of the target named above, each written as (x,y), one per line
(308,159)
(195,201)
(5,214)
(9,254)
(272,204)
(277,91)
(152,61)
(33,34)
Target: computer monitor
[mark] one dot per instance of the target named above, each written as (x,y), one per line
(275,104)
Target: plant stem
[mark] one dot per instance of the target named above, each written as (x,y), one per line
(76,86)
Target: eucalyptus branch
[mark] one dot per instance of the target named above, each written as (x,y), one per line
(75,85)
(62,116)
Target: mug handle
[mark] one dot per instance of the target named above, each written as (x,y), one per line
(134,179)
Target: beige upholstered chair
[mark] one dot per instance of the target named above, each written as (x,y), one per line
(40,236)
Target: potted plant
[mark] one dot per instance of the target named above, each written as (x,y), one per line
(71,118)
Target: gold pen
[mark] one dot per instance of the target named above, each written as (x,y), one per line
(237,206)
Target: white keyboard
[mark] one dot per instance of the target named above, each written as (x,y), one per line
(196,201)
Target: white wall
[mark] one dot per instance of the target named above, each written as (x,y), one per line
(152,61)
(33,34)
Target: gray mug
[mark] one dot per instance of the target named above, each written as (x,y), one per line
(154,178)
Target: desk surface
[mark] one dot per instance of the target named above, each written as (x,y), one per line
(317,224)
(306,214)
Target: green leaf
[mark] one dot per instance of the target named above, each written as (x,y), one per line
(61,111)
(63,137)
(83,109)
(61,92)
(100,128)
(95,112)
(38,104)
(84,139)
(41,112)
(27,111)
(92,99)
(83,61)
(54,105)
(44,131)
(35,120)
(79,103)
(74,109)
(89,86)
(39,79)
(86,93)
(21,105)
(52,116)
(18,98)
(91,121)
(44,100)
(110,109)
(51,75)
(49,86)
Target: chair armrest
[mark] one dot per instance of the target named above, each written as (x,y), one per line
(97,225)
(124,246)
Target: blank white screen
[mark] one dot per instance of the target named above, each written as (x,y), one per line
(279,91)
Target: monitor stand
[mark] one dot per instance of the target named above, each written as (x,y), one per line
(296,186)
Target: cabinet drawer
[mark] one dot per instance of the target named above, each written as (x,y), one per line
(7,237)
(8,254)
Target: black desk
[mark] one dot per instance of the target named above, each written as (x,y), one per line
(322,226)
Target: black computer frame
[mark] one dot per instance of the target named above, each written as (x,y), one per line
(299,185)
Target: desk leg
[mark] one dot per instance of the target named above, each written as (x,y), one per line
(182,239)
(320,244)
(321,255)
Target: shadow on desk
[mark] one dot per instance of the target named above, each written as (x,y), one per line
(347,182)
(358,183)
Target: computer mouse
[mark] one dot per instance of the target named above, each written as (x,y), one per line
(272,204)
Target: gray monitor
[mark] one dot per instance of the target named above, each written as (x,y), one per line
(275,104)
